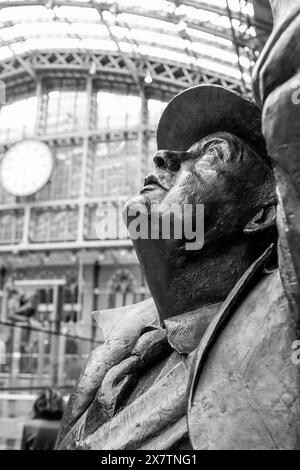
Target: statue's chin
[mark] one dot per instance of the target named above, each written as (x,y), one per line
(132,208)
(144,203)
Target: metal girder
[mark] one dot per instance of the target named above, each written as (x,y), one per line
(236,40)
(167,75)
(191,3)
(26,66)
(160,15)
(130,64)
(236,44)
(171,48)
(139,27)
(236,15)
(213,9)
(51,246)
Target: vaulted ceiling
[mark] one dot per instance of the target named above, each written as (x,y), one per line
(171,44)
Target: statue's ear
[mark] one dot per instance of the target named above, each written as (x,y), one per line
(263,220)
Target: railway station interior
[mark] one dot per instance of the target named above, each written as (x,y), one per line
(82,87)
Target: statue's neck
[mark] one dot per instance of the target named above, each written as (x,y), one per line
(183,284)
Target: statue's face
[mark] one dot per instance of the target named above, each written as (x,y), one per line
(220,172)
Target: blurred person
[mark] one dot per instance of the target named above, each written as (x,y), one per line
(28,305)
(29,301)
(41,431)
(13,303)
(22,307)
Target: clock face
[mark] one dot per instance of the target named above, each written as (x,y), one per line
(26,167)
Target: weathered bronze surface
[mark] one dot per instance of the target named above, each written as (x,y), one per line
(277,89)
(206,363)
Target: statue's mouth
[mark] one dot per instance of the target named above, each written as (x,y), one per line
(151,183)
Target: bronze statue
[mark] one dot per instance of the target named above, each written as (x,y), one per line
(277,90)
(207,362)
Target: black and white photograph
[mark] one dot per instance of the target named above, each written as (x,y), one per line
(149,228)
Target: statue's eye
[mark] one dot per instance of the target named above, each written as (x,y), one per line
(217,151)
(212,151)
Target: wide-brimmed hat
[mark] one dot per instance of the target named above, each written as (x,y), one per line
(206,109)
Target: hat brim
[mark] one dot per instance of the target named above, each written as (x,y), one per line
(206,109)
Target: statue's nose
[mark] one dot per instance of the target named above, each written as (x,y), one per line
(168,160)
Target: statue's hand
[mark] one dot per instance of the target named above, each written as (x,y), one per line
(121,328)
(84,391)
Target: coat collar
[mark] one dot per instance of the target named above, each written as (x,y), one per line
(183,331)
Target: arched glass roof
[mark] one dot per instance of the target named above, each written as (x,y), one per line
(212,35)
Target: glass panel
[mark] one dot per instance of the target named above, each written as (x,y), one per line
(11,226)
(152,149)
(108,169)
(132,183)
(122,290)
(117,111)
(66,177)
(90,223)
(151,29)
(66,111)
(105,222)
(49,225)
(5,197)
(155,109)
(17,120)
(114,169)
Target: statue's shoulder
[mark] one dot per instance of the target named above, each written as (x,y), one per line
(272,284)
(248,380)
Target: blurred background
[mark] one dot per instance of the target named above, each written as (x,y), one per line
(83,84)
